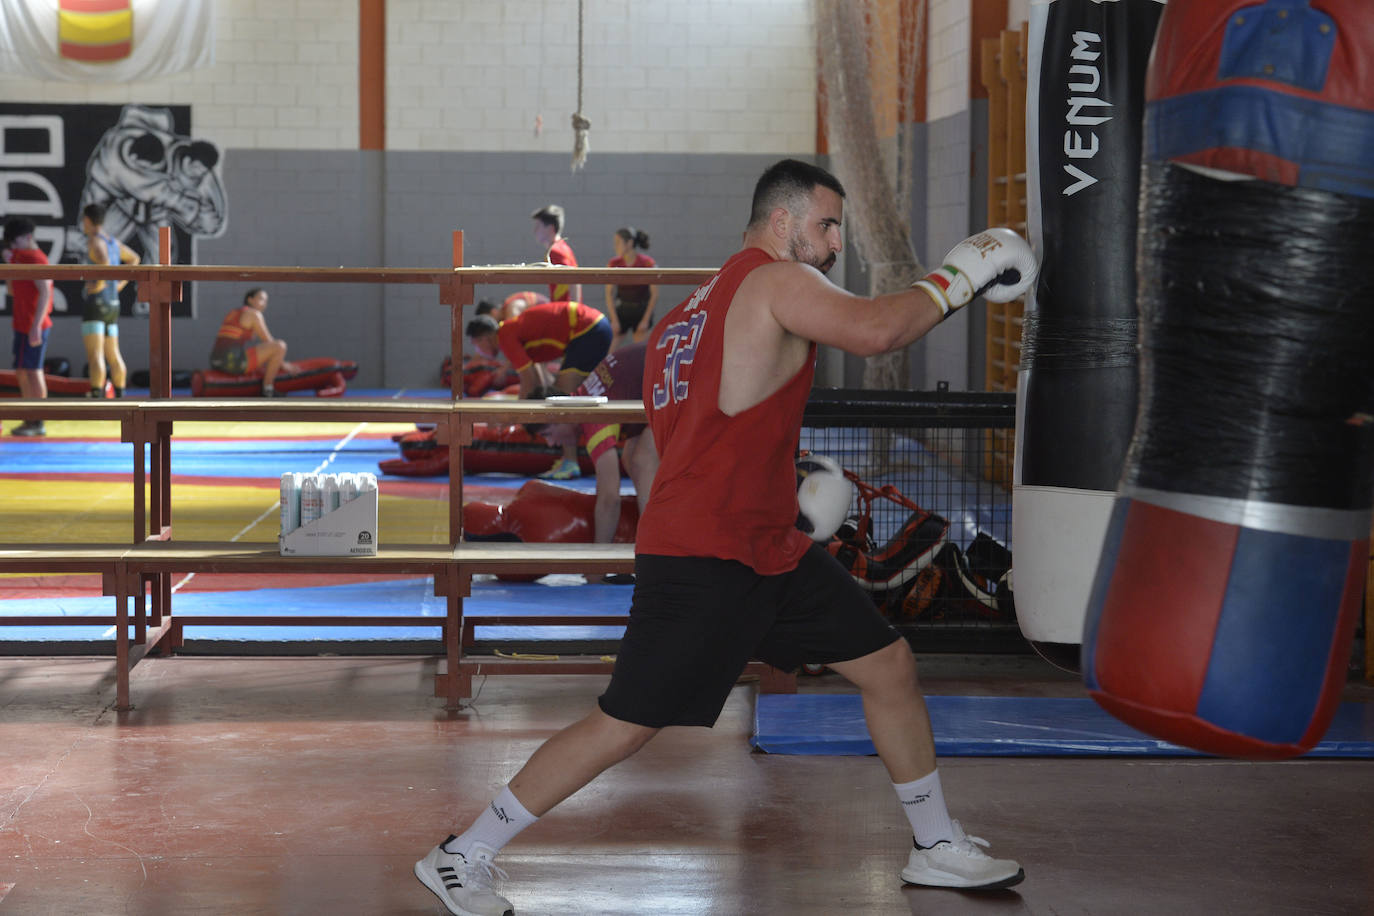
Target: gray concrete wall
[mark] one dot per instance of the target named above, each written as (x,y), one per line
(693,207)
(288,208)
(399,209)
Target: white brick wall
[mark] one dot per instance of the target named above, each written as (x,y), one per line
(710,76)
(948,87)
(285,77)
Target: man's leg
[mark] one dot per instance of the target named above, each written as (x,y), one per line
(31,385)
(114,360)
(27,388)
(95,360)
(894,710)
(568,380)
(37,383)
(574,757)
(899,725)
(271,356)
(459,870)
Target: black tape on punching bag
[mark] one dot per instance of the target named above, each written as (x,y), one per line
(1078,383)
(1258,351)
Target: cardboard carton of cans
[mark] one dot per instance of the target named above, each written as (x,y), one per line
(328,515)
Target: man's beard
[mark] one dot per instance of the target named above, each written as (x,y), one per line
(800,251)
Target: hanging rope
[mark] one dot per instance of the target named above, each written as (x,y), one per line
(579,122)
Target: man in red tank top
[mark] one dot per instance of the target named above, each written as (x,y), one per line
(548,232)
(723,574)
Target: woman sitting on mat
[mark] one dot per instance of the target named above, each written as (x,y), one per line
(234,351)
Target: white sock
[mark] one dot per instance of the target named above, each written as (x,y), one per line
(924,804)
(494,827)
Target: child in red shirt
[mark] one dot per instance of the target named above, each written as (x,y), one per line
(32,318)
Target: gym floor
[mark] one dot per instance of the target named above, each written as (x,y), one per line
(304,785)
(311,785)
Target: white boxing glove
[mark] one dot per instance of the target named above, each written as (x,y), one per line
(823,496)
(996,263)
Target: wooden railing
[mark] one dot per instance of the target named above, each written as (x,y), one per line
(143,568)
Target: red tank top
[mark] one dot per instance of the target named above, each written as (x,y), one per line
(231,332)
(726,486)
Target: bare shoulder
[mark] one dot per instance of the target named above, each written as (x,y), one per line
(803,302)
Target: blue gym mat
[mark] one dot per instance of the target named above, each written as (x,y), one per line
(248,458)
(400,598)
(1003,727)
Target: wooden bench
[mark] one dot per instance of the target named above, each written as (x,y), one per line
(106,560)
(152,556)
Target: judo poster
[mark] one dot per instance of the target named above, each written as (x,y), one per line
(142,163)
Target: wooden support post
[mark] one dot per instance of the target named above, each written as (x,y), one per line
(122,664)
(448,430)
(453,685)
(456,294)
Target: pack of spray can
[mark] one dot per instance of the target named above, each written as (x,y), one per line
(328,514)
(306,498)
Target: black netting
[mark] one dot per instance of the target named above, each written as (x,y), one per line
(929,534)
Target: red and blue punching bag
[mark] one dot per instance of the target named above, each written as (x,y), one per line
(1230,580)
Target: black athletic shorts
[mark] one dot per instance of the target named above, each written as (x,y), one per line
(95,307)
(696,621)
(231,361)
(629,314)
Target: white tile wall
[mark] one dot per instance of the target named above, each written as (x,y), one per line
(948,86)
(285,76)
(710,76)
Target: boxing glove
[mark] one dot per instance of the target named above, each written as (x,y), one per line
(823,496)
(996,263)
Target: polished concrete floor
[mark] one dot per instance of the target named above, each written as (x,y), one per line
(310,786)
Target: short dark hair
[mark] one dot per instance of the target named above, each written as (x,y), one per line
(95,213)
(251,293)
(481,326)
(636,237)
(17,227)
(785,184)
(486,307)
(551,215)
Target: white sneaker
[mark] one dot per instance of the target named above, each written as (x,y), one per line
(464,885)
(960,863)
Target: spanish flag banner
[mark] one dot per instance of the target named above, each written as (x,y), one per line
(105,40)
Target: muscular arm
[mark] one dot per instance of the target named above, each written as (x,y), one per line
(610,310)
(648,318)
(530,379)
(258,325)
(127,256)
(782,307)
(41,313)
(607,512)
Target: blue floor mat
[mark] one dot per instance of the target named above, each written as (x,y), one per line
(266,459)
(262,458)
(1003,727)
(401,598)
